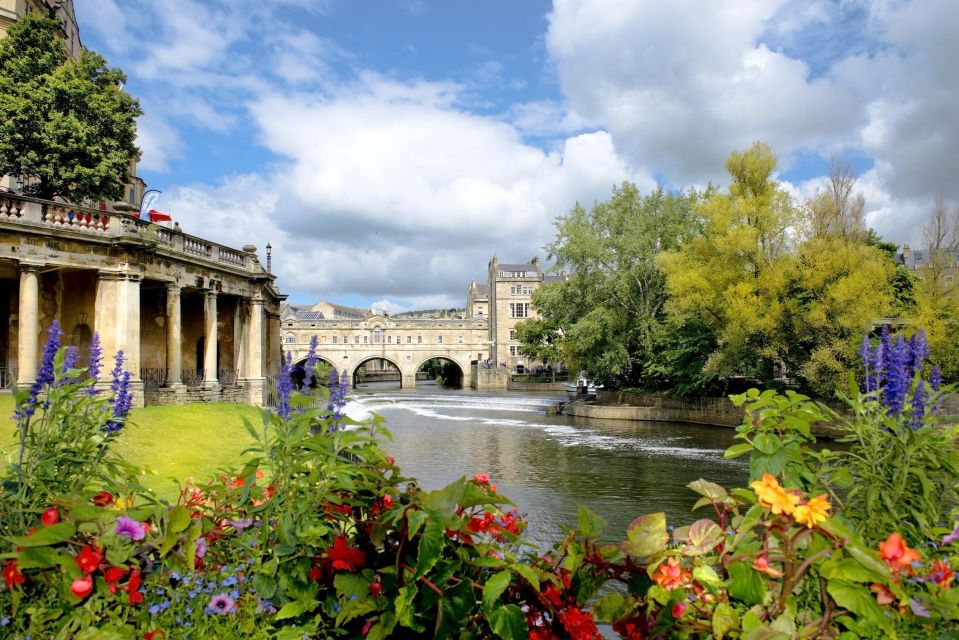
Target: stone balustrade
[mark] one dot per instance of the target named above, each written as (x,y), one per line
(59,217)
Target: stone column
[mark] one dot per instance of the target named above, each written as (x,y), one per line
(209,341)
(174,336)
(28,333)
(117,322)
(253,352)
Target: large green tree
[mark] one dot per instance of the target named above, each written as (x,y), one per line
(609,311)
(66,127)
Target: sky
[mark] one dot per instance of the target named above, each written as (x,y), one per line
(388,149)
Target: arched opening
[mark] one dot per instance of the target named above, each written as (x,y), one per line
(440,371)
(377,373)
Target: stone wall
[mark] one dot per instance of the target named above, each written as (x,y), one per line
(234,394)
(705,410)
(483,378)
(536,386)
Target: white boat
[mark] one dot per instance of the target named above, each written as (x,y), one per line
(581,382)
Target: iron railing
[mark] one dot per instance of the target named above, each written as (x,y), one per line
(153,378)
(191,377)
(227,376)
(7,377)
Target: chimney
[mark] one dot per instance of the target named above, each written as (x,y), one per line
(535,263)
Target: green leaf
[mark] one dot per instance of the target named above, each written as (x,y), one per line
(509,623)
(609,608)
(746,584)
(738,450)
(707,576)
(403,606)
(431,547)
(849,569)
(494,588)
(291,610)
(703,536)
(40,558)
(384,628)
(859,600)
(179,519)
(265,585)
(766,443)
(527,572)
(349,584)
(646,537)
(590,524)
(724,620)
(46,536)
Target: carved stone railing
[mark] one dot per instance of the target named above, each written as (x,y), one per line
(59,216)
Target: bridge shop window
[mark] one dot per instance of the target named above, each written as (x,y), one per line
(377,335)
(290,338)
(419,339)
(439,339)
(461,339)
(366,339)
(389,339)
(409,339)
(334,339)
(356,339)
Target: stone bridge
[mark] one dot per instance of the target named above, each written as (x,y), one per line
(192,316)
(405,343)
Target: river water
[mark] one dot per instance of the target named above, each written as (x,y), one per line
(547,465)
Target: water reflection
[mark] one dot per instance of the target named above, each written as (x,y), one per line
(549,464)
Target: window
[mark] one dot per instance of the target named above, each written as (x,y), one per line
(356,339)
(334,339)
(289,324)
(389,339)
(518,309)
(512,334)
(409,339)
(132,198)
(419,339)
(439,339)
(461,339)
(366,339)
(345,340)
(290,339)
(514,350)
(377,335)
(520,290)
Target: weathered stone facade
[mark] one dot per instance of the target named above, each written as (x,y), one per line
(186,312)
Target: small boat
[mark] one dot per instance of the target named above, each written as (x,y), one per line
(582,382)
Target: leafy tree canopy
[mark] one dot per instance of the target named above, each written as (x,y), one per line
(66,127)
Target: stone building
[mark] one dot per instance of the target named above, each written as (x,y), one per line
(196,320)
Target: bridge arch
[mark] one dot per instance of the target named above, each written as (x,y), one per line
(356,374)
(298,374)
(454,376)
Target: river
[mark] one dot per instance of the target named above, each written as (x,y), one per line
(548,464)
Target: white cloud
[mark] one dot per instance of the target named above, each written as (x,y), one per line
(388,188)
(158,141)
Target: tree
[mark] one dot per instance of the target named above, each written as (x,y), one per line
(609,309)
(721,278)
(539,342)
(66,128)
(936,290)
(837,211)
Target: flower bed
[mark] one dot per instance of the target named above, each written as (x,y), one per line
(320,535)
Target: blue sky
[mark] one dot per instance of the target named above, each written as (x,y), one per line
(388,149)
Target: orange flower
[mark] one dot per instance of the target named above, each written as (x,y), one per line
(762,564)
(883,594)
(896,554)
(773,496)
(11,574)
(670,574)
(813,512)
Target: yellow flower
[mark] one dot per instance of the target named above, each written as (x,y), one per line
(121,504)
(813,512)
(773,496)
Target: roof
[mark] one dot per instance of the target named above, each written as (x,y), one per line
(482,290)
(309,315)
(529,266)
(554,277)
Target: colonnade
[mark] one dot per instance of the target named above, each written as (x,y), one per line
(117,322)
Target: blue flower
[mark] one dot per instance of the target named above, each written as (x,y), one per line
(122,400)
(4,621)
(154,609)
(311,359)
(45,373)
(284,387)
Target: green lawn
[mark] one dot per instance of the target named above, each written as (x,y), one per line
(176,442)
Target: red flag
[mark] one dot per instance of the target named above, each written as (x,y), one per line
(156,216)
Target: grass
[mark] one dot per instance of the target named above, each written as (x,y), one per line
(173,442)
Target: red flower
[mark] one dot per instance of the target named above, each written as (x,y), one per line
(391,460)
(579,624)
(156,634)
(630,629)
(387,501)
(133,587)
(112,576)
(12,575)
(894,552)
(679,610)
(315,573)
(376,588)
(50,516)
(82,587)
(103,499)
(482,478)
(89,559)
(883,594)
(941,573)
(342,557)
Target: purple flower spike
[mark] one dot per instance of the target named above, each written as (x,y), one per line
(129,528)
(122,400)
(865,351)
(935,380)
(309,366)
(284,388)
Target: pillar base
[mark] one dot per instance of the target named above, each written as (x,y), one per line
(255,389)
